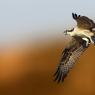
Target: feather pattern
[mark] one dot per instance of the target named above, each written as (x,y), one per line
(83,21)
(69,56)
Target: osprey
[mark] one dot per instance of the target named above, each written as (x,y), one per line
(82,36)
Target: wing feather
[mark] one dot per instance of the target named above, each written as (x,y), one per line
(69,56)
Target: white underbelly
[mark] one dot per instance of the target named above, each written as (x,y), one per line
(79,32)
(87,34)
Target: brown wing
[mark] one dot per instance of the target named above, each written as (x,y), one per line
(83,21)
(69,56)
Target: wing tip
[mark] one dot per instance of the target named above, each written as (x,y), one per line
(59,76)
(75,16)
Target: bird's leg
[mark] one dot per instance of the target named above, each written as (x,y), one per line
(66,31)
(93,39)
(86,42)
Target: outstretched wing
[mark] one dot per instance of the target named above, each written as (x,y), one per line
(69,56)
(83,21)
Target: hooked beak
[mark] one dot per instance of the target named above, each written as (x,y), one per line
(65,32)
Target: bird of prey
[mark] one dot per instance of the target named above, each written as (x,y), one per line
(82,36)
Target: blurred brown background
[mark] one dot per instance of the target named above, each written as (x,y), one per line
(29,70)
(31,43)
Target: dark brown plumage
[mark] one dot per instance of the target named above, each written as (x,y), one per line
(83,21)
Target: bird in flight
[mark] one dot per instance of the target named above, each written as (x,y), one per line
(82,36)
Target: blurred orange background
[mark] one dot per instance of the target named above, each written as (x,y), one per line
(29,70)
(31,43)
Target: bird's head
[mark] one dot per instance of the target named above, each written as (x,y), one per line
(68,32)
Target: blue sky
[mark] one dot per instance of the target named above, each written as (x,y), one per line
(20,17)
